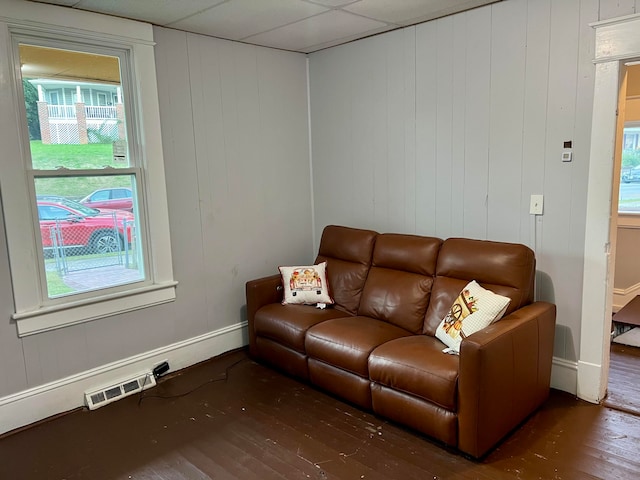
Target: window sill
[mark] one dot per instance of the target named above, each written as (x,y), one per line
(51,318)
(628,220)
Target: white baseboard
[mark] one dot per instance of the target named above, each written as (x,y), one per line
(622,296)
(28,406)
(564,375)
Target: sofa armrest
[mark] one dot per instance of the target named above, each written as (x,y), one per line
(505,374)
(261,292)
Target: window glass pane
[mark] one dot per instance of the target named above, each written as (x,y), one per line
(629,196)
(75,109)
(90,239)
(86,244)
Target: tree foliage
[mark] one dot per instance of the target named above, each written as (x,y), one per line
(31,104)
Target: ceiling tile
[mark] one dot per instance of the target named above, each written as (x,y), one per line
(64,3)
(320,29)
(332,3)
(238,19)
(297,25)
(403,12)
(347,39)
(159,12)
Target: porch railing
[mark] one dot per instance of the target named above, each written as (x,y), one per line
(91,112)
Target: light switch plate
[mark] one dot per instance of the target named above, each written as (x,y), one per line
(535,207)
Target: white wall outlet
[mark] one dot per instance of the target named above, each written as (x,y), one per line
(535,208)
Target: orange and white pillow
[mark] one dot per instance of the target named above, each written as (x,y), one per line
(474,309)
(305,284)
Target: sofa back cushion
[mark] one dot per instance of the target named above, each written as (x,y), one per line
(507,269)
(348,253)
(400,280)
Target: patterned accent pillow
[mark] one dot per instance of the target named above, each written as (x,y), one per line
(305,284)
(474,309)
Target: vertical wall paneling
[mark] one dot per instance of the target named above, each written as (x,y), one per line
(249,110)
(588,11)
(617,8)
(476,126)
(282,85)
(459,179)
(395,149)
(447,187)
(331,83)
(426,125)
(556,236)
(535,115)
(13,375)
(369,130)
(409,118)
(178,93)
(497,91)
(508,54)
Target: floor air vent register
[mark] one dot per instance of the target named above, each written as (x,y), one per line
(115,391)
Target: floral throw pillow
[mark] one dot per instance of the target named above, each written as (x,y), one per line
(474,309)
(305,284)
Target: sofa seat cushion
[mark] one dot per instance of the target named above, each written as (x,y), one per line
(347,342)
(288,324)
(416,365)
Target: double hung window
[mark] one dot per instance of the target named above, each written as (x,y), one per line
(75,200)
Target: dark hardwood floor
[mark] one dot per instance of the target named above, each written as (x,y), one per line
(623,391)
(231,418)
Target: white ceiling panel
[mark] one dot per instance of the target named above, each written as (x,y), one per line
(297,25)
(159,12)
(64,3)
(333,3)
(404,12)
(330,26)
(237,19)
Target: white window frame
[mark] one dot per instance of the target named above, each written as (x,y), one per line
(33,314)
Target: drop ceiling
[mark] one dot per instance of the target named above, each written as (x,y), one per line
(297,25)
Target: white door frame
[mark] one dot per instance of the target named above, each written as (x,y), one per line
(617,40)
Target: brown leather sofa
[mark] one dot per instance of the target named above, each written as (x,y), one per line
(376,346)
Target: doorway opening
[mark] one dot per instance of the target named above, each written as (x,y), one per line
(623,392)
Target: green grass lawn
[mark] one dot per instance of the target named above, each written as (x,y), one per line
(50,157)
(56,286)
(74,157)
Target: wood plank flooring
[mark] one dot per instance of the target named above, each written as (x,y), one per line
(623,391)
(231,418)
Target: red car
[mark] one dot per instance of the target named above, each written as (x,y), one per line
(118,198)
(68,224)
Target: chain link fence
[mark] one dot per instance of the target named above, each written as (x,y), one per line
(76,246)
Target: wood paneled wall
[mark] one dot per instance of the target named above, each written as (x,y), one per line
(235,138)
(447,128)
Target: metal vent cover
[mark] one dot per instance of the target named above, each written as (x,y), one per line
(115,391)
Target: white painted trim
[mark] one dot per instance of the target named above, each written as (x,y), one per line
(616,40)
(589,382)
(28,406)
(628,290)
(622,296)
(57,316)
(616,20)
(37,15)
(564,375)
(597,282)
